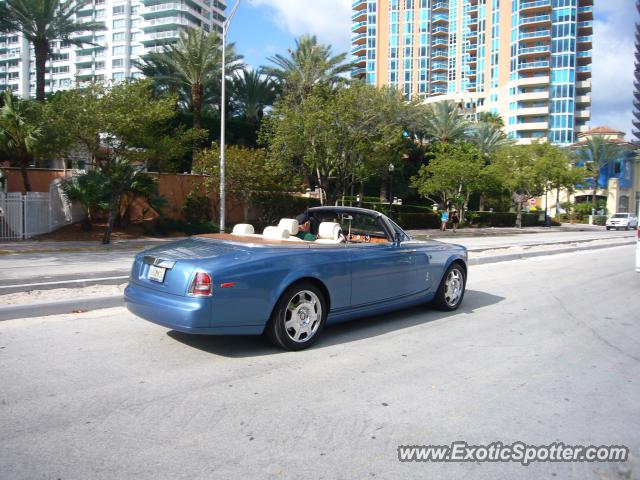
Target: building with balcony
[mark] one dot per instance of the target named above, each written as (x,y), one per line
(618,181)
(132,29)
(528,60)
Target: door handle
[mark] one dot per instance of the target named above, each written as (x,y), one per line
(407,251)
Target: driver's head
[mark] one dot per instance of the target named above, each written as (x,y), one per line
(304,222)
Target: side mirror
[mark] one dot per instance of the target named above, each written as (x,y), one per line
(397,239)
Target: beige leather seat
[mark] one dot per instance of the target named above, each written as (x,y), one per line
(243,229)
(329,232)
(275,233)
(291,225)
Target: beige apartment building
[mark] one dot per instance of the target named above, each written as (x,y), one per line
(528,60)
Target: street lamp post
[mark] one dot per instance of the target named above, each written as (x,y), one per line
(225,26)
(546,203)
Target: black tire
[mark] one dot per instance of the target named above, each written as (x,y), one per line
(300,294)
(442,300)
(608,228)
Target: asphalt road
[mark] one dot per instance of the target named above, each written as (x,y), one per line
(25,269)
(542,350)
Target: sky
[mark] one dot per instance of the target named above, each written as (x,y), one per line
(263,28)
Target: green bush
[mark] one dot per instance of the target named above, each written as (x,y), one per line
(491,219)
(197,209)
(166,226)
(600,220)
(273,206)
(415,221)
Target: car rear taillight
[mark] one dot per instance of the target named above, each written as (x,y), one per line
(201,285)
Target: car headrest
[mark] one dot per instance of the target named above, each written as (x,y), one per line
(329,231)
(275,233)
(243,229)
(290,224)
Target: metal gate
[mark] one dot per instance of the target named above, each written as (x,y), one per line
(24,216)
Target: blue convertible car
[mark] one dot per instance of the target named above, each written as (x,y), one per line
(357,263)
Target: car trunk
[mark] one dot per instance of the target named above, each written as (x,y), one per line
(169,268)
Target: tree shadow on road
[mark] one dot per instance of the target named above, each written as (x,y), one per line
(371,326)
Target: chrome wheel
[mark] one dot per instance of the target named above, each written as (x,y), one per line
(302,316)
(453,287)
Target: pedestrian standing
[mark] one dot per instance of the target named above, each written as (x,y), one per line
(455,220)
(443,219)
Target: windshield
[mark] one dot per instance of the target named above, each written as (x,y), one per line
(621,215)
(405,235)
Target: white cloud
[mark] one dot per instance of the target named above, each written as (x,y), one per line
(613,61)
(329,20)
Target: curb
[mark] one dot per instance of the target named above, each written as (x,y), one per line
(70,283)
(559,242)
(96,303)
(61,307)
(522,255)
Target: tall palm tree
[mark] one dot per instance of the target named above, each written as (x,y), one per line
(492,118)
(597,153)
(191,68)
(252,93)
(488,138)
(309,64)
(445,123)
(42,22)
(19,133)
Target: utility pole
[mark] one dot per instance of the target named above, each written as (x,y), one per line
(225,26)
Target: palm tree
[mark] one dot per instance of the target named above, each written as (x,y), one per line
(41,22)
(307,65)
(445,123)
(488,138)
(90,191)
(492,118)
(121,177)
(19,133)
(252,93)
(597,153)
(191,68)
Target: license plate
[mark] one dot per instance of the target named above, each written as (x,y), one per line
(156,273)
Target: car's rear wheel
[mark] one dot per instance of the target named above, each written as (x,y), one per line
(298,318)
(451,290)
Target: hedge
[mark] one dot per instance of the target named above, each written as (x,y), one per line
(417,221)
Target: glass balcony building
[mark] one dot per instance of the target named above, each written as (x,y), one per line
(529,61)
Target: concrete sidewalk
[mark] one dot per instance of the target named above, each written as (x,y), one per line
(49,246)
(24,310)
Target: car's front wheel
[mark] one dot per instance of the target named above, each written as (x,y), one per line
(298,318)
(451,290)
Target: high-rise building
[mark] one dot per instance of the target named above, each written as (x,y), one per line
(528,60)
(132,28)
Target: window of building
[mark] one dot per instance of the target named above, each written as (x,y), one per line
(119,37)
(617,168)
(117,62)
(118,50)
(118,76)
(118,10)
(118,23)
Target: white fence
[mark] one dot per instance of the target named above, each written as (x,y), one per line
(24,216)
